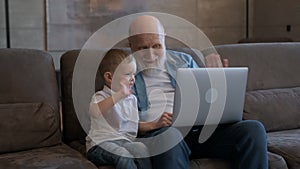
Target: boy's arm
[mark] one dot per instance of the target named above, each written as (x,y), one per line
(164,121)
(106,104)
(109,102)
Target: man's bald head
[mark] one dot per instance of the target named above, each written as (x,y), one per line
(146,24)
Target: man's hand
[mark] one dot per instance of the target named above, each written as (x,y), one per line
(165,120)
(214,60)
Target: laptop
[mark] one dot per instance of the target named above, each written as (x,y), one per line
(209,96)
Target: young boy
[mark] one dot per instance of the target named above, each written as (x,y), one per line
(114,116)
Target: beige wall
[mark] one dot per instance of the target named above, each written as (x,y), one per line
(271,17)
(2,25)
(69,23)
(27,23)
(223,21)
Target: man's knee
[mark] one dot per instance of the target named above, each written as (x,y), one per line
(254,132)
(253,128)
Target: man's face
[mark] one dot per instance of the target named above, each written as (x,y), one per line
(149,51)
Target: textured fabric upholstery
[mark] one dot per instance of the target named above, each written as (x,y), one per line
(277,109)
(271,65)
(272,97)
(27,125)
(58,157)
(29,98)
(29,112)
(286,144)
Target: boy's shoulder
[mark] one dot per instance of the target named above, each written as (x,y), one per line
(100,95)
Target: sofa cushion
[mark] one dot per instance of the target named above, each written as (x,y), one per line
(276,161)
(27,125)
(72,127)
(55,157)
(277,109)
(286,144)
(271,65)
(28,76)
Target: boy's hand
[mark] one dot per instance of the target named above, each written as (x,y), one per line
(125,90)
(165,120)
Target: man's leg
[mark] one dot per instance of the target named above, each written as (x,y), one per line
(176,157)
(243,143)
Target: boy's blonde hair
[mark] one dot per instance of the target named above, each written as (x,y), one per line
(112,59)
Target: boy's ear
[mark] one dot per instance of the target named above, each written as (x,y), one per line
(107,77)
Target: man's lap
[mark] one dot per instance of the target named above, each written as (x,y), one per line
(223,142)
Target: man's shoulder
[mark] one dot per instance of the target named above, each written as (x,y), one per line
(179,57)
(178,54)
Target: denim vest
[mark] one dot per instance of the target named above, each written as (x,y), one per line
(174,61)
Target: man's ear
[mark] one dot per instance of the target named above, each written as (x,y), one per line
(107,77)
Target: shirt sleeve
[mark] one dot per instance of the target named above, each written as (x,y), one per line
(97,97)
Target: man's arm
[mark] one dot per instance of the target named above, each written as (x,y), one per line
(214,60)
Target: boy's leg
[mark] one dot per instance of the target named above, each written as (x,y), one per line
(111,153)
(176,157)
(243,143)
(140,153)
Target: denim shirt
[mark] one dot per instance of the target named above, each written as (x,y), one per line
(174,61)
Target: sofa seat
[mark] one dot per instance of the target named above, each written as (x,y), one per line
(206,163)
(55,157)
(275,161)
(287,144)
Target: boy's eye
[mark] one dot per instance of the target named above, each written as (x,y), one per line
(129,74)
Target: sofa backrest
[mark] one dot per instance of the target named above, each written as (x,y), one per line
(75,129)
(29,110)
(72,129)
(273,89)
(272,68)
(271,65)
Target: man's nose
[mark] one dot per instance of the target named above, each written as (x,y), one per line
(150,54)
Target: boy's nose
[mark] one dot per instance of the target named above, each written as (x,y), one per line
(131,78)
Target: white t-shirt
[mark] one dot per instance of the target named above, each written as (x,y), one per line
(160,94)
(120,122)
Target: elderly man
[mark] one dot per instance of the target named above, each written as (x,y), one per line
(243,143)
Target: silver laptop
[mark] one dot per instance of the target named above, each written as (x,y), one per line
(209,96)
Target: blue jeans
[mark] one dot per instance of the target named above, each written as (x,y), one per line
(243,143)
(120,153)
(176,157)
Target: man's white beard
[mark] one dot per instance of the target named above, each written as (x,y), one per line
(157,67)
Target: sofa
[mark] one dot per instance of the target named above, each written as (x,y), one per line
(30,129)
(272,97)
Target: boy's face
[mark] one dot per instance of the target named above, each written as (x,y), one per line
(124,74)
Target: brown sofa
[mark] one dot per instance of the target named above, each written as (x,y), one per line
(273,97)
(30,133)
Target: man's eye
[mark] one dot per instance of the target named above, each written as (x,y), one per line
(156,46)
(143,47)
